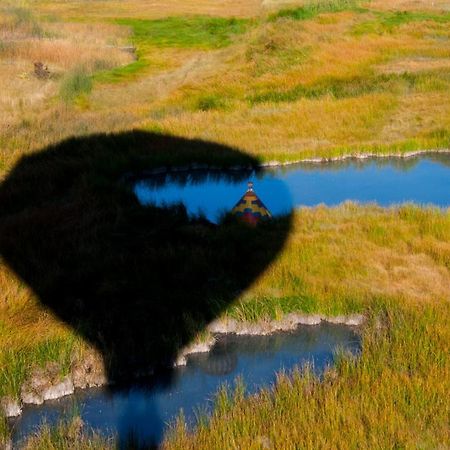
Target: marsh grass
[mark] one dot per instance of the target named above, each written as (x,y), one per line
(196,31)
(392,395)
(22,20)
(388,22)
(75,84)
(358,86)
(312,8)
(210,102)
(261,91)
(337,261)
(4,431)
(70,434)
(17,363)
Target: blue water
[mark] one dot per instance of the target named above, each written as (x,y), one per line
(145,410)
(423,180)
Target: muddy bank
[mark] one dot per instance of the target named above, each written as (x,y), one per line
(89,371)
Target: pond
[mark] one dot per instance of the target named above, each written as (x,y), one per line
(144,410)
(422,180)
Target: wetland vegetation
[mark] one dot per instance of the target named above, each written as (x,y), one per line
(132,87)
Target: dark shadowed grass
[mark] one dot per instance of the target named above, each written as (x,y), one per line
(393,395)
(135,283)
(210,102)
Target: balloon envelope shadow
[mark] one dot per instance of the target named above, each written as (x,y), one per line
(138,283)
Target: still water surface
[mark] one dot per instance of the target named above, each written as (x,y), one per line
(145,410)
(387,181)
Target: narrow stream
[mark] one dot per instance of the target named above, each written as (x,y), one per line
(423,180)
(145,410)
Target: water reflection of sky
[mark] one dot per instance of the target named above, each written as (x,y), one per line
(215,196)
(422,180)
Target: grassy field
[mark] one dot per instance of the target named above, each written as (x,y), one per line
(254,76)
(278,81)
(393,265)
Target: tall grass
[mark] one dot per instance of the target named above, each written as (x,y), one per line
(357,86)
(393,396)
(4,431)
(313,8)
(16,364)
(315,68)
(388,22)
(75,84)
(69,434)
(24,20)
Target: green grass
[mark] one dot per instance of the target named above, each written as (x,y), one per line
(329,267)
(119,74)
(68,434)
(210,102)
(4,431)
(313,8)
(388,22)
(357,86)
(16,364)
(173,32)
(185,32)
(75,84)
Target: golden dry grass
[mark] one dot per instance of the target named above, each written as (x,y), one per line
(337,83)
(342,258)
(150,10)
(383,106)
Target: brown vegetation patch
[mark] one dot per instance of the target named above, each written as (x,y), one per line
(412,276)
(153,9)
(412,65)
(408,5)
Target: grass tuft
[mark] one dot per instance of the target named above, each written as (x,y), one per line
(75,84)
(313,8)
(388,22)
(210,102)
